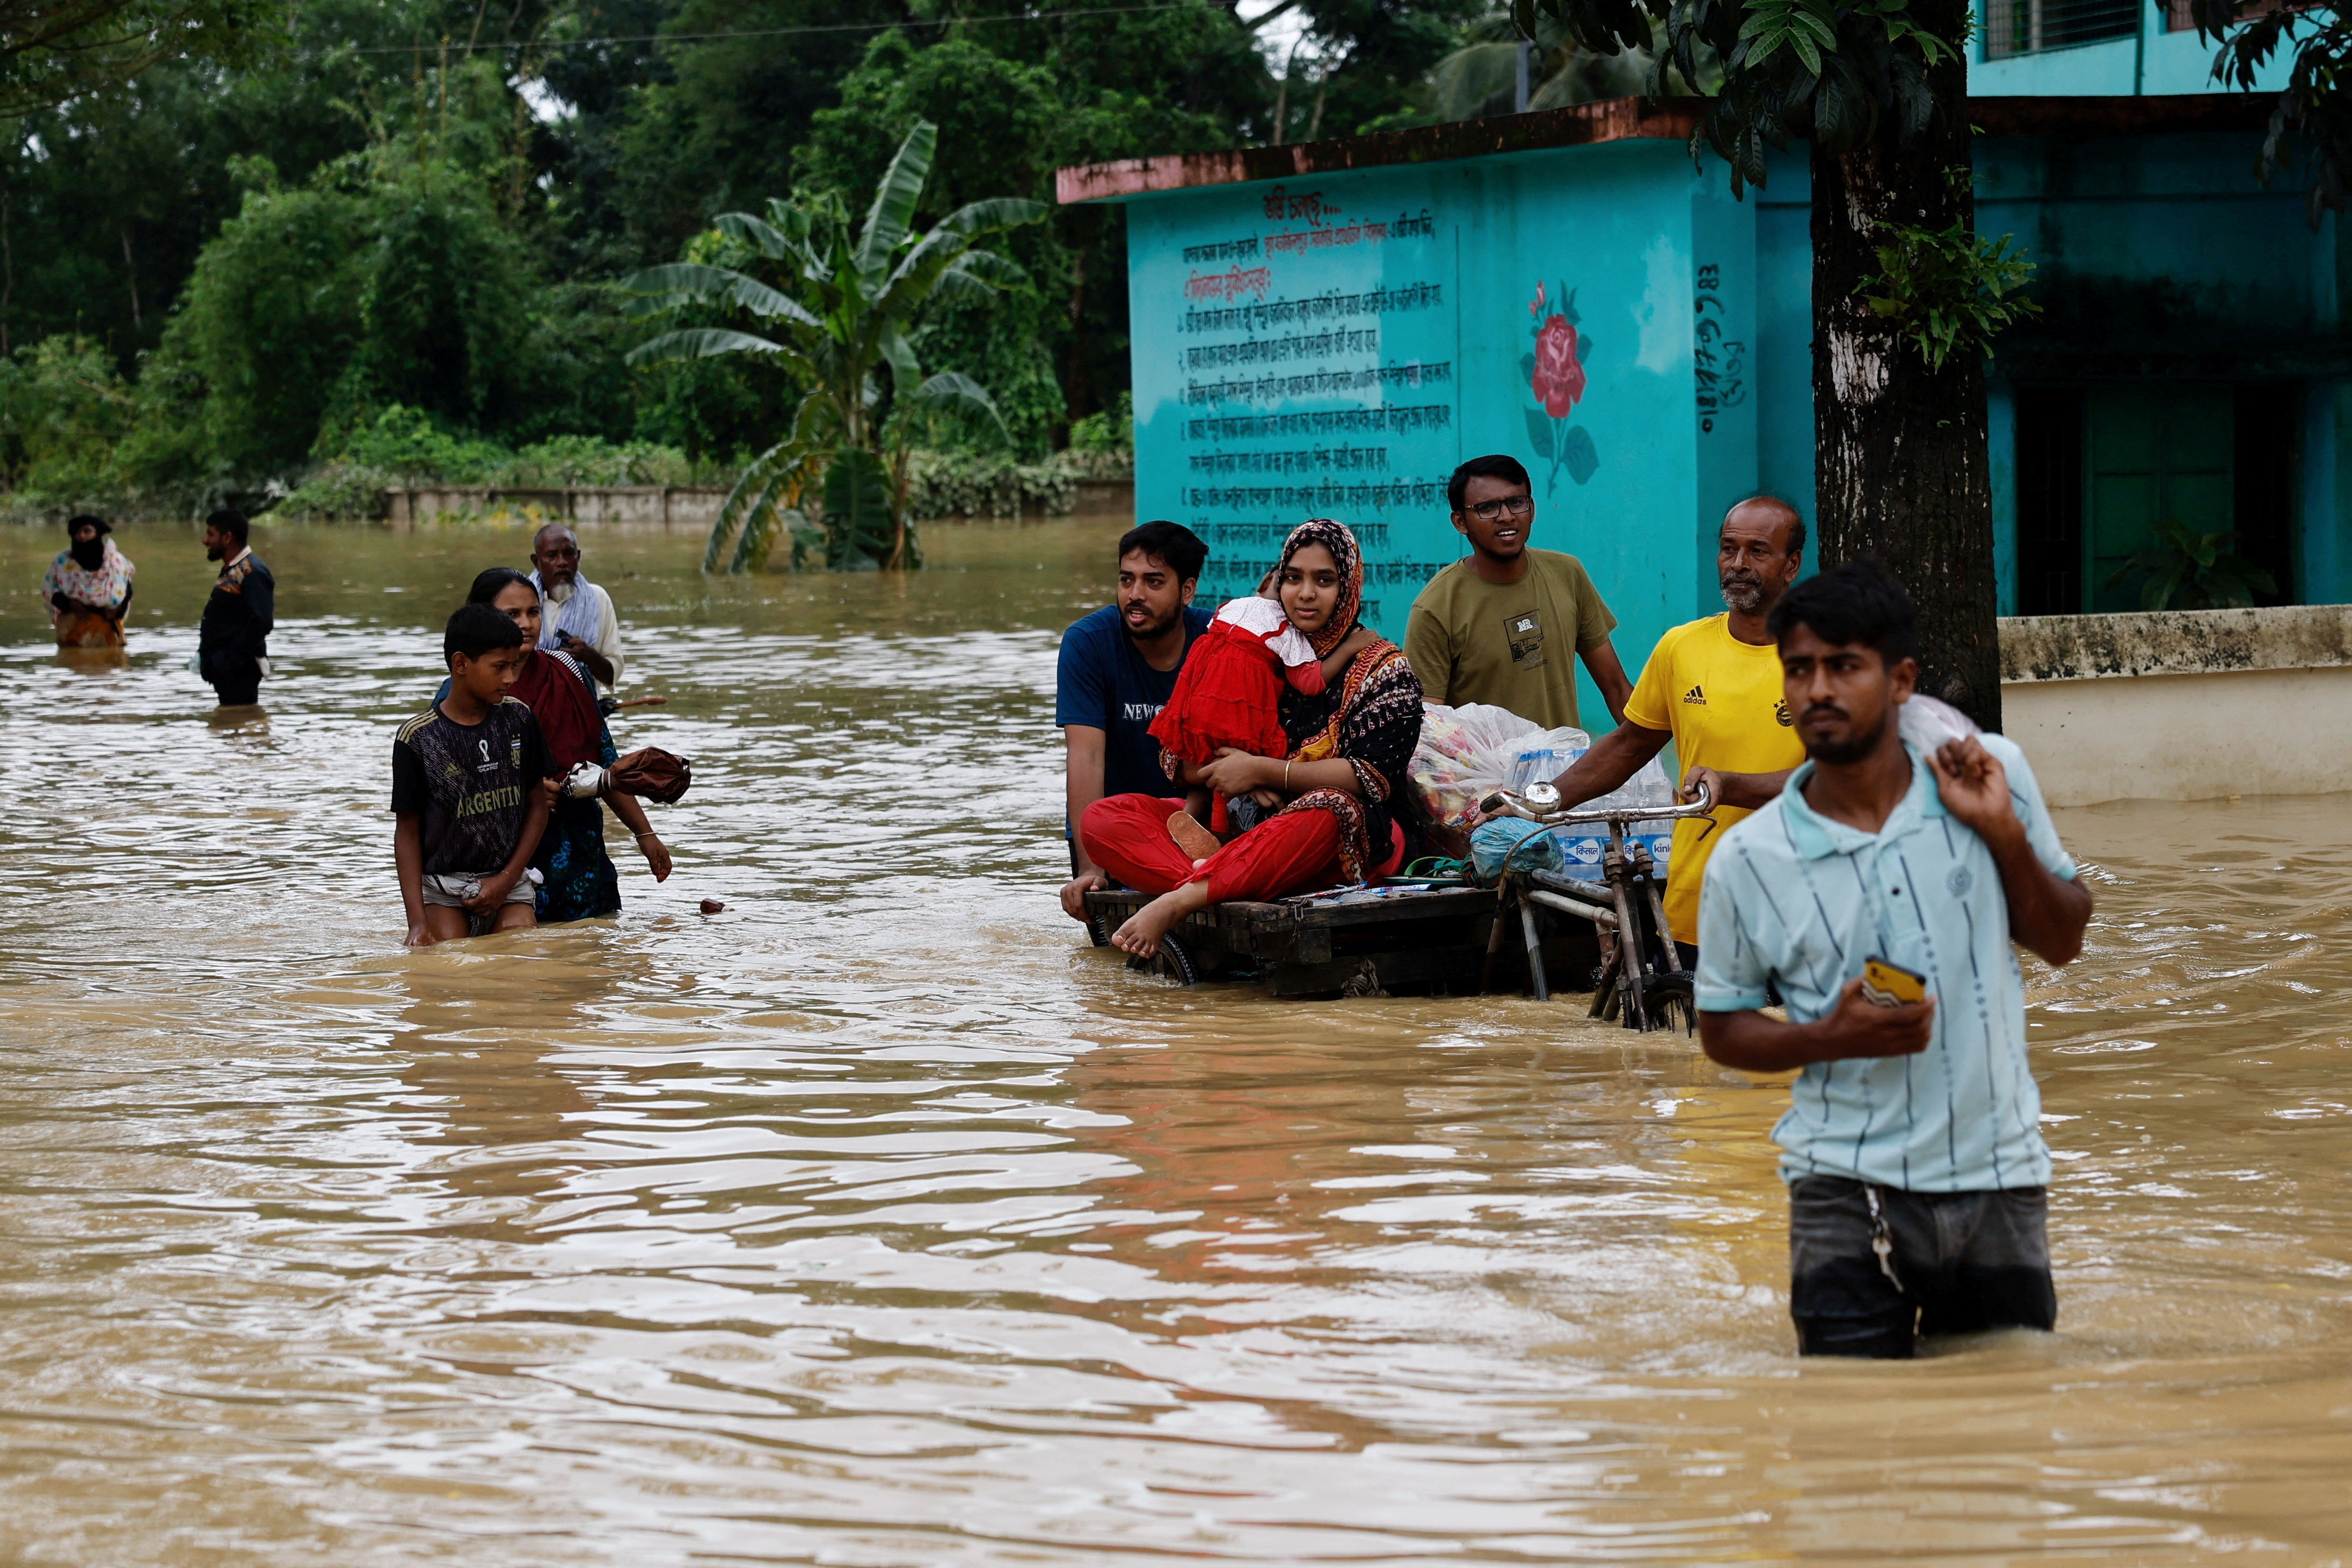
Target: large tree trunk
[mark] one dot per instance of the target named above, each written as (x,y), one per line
(1899,449)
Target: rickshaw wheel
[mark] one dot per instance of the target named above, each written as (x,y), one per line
(1171,961)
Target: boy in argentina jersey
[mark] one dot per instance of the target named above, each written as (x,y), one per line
(470,790)
(1912,1146)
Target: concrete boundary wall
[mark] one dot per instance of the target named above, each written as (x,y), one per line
(682,506)
(639,506)
(2192,704)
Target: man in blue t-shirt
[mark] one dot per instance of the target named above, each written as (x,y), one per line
(1118,668)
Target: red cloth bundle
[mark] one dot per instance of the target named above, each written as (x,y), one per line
(652,774)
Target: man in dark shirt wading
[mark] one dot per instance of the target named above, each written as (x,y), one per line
(1119,667)
(233,646)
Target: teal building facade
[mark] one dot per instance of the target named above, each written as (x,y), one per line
(1327,330)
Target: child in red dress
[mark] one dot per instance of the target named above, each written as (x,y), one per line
(1228,694)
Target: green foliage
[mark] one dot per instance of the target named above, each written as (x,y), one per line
(2312,112)
(996,121)
(58,51)
(1109,433)
(982,485)
(440,326)
(997,134)
(848,305)
(414,448)
(1480,79)
(1002,345)
(1838,71)
(275,245)
(62,410)
(407,446)
(269,320)
(338,493)
(593,460)
(2193,571)
(1949,290)
(861,523)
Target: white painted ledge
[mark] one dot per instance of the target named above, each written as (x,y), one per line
(2194,704)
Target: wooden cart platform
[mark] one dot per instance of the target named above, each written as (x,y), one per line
(1356,941)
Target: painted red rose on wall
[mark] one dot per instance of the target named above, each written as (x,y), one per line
(1559,380)
(1555,374)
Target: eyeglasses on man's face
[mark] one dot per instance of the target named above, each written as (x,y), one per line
(1516,505)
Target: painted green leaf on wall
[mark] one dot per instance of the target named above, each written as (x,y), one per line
(1576,451)
(1539,432)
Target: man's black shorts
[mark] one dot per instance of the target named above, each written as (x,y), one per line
(1963,1262)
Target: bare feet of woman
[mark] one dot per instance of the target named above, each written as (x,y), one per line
(1141,933)
(1197,843)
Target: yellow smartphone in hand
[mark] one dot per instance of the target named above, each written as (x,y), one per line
(1890,985)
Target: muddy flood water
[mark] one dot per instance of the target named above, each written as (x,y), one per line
(880,1220)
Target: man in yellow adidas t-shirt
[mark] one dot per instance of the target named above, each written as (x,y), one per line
(1713,688)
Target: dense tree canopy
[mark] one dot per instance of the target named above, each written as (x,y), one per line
(275,224)
(53,51)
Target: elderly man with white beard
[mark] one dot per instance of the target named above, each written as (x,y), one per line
(580,619)
(1713,688)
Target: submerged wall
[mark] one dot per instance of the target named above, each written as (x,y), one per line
(642,506)
(2194,704)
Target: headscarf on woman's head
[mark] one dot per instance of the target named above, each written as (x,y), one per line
(89,556)
(1333,535)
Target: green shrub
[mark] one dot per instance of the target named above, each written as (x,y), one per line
(339,493)
(406,447)
(1110,431)
(413,445)
(62,410)
(976,484)
(1102,445)
(593,460)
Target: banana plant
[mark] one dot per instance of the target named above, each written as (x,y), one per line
(843,318)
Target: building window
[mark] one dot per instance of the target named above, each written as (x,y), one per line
(2180,18)
(2099,466)
(2015,27)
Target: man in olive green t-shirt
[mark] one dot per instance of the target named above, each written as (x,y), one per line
(1506,625)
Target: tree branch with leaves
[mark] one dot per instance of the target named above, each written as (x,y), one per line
(1904,296)
(2312,107)
(52,51)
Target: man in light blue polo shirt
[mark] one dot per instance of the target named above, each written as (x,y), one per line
(1912,1146)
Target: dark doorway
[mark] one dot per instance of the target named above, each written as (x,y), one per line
(2266,513)
(2049,500)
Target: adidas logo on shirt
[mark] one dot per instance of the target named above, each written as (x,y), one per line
(1696,696)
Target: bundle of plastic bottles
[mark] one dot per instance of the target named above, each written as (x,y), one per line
(1467,753)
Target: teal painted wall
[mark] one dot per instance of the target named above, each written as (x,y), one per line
(2150,248)
(1784,299)
(2325,562)
(1256,356)
(2001,468)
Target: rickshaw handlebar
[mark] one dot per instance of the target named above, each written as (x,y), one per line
(1504,803)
